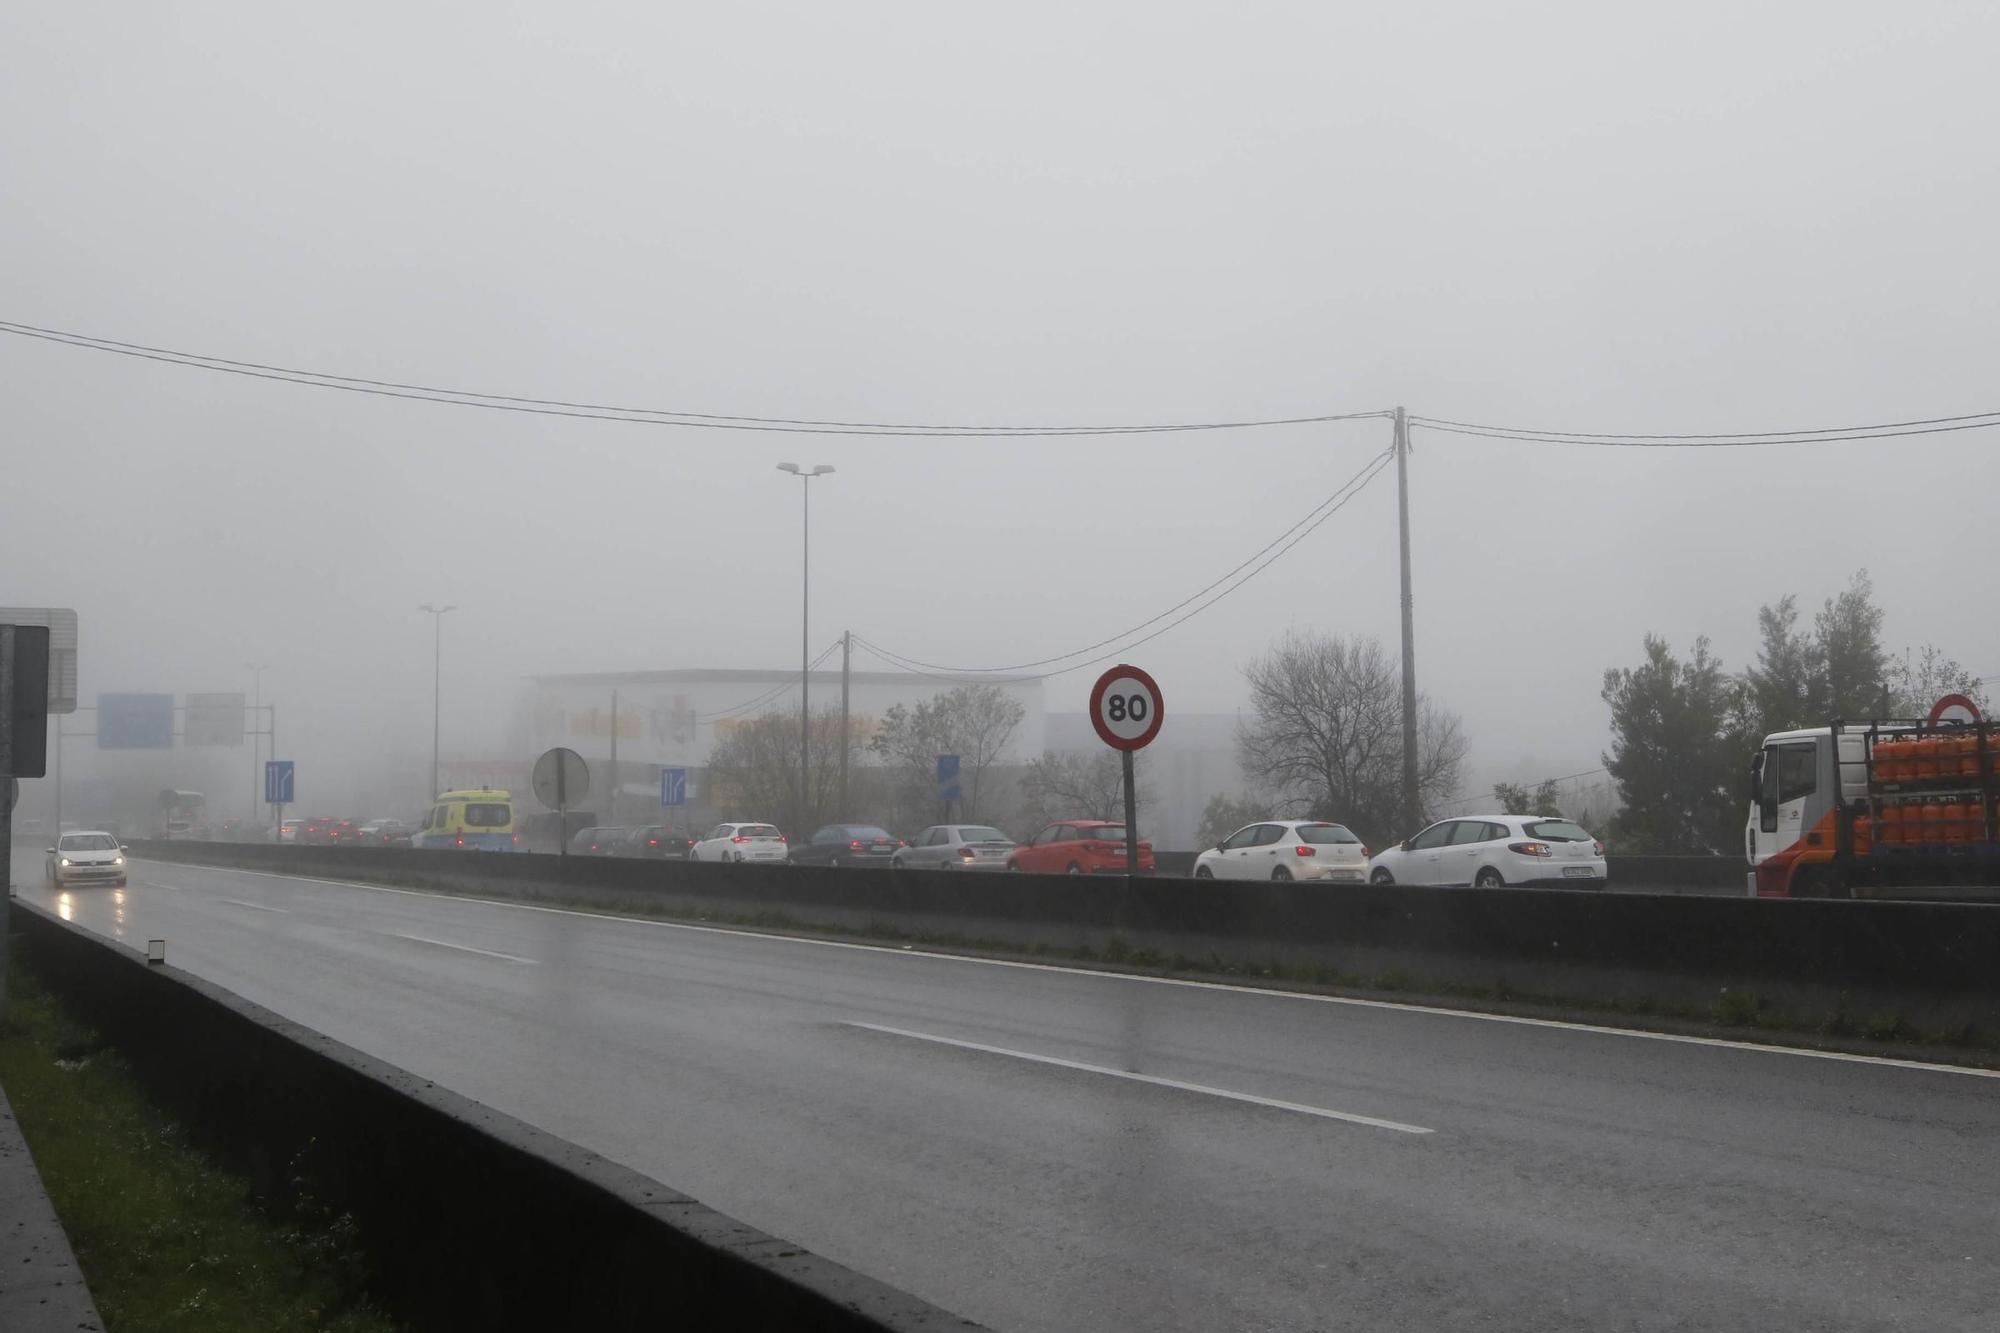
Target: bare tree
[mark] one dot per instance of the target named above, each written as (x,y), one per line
(1069,785)
(973,722)
(1326,738)
(754,769)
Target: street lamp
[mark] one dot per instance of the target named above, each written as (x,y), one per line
(805,625)
(256,670)
(436,614)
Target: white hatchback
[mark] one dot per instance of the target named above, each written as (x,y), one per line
(741,842)
(1496,852)
(1283,849)
(86,857)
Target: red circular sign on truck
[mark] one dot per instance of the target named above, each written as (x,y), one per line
(1126,708)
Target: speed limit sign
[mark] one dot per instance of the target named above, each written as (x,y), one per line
(1125,708)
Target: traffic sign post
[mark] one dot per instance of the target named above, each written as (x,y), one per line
(673,787)
(1126,708)
(560,777)
(948,786)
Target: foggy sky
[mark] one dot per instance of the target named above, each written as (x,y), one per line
(1568,216)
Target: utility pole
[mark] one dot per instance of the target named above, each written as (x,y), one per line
(1412,811)
(437,686)
(256,741)
(611,791)
(805,476)
(846,670)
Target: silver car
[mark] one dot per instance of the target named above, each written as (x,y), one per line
(955,847)
(91,857)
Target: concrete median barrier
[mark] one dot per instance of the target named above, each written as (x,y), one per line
(473,1220)
(1918,967)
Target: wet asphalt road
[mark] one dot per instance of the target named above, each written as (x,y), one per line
(973,1132)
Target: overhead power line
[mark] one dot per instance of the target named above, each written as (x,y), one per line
(748,705)
(1194,602)
(646,416)
(1887,430)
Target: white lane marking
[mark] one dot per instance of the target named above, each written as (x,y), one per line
(1520,1020)
(1154,1079)
(255,907)
(160,884)
(463,948)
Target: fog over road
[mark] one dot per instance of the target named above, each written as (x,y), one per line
(1039,1148)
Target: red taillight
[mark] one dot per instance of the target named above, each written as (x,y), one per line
(517,839)
(781,837)
(966,852)
(461,842)
(1302,850)
(652,842)
(1598,847)
(1365,853)
(901,843)
(1530,848)
(739,838)
(856,844)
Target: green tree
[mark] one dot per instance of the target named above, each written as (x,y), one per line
(1788,684)
(1681,739)
(1849,633)
(1224,814)
(1918,680)
(973,722)
(1520,800)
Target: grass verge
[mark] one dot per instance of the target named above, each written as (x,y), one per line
(167,1240)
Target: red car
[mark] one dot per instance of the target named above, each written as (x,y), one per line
(1078,847)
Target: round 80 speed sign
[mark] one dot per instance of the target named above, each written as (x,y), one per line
(1126,708)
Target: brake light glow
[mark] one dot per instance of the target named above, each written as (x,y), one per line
(966,852)
(1531,848)
(739,838)
(1598,846)
(856,844)
(1302,850)
(461,841)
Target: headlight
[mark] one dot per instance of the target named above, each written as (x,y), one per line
(118,860)
(64,861)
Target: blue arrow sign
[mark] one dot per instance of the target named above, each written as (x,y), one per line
(947,778)
(673,786)
(278,782)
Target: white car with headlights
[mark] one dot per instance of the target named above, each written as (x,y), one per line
(741,842)
(90,857)
(1497,852)
(1283,849)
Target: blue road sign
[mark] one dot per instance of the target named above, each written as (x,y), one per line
(135,721)
(947,778)
(277,782)
(673,786)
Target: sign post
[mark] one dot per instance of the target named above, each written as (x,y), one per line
(24,740)
(948,787)
(1126,709)
(560,777)
(278,792)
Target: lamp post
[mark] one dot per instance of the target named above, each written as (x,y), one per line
(436,614)
(256,670)
(805,627)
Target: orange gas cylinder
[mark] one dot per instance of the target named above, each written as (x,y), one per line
(1968,756)
(1951,820)
(1924,758)
(1930,822)
(1864,834)
(1888,759)
(1892,823)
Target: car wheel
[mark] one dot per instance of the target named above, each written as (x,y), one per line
(1488,878)
(1073,869)
(1380,876)
(1203,872)
(1281,876)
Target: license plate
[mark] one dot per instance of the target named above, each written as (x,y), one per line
(1573,872)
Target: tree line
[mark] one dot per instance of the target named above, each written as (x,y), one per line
(1683,728)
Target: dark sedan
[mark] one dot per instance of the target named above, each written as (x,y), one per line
(847,845)
(656,842)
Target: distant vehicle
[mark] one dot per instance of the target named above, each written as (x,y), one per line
(339,832)
(847,845)
(598,840)
(290,830)
(91,857)
(740,842)
(548,830)
(180,814)
(1882,808)
(1283,849)
(656,842)
(1078,847)
(955,847)
(384,833)
(475,819)
(1496,852)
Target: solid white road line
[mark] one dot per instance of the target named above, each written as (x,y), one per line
(900,951)
(1153,1079)
(255,907)
(462,948)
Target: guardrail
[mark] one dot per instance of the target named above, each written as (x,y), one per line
(472,1219)
(1914,966)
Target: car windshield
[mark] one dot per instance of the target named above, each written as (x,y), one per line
(89,842)
(1556,830)
(982,834)
(1323,834)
